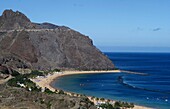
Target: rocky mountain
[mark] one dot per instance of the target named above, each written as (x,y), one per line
(24,44)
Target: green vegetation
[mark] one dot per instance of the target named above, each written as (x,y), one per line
(15,73)
(97,99)
(119,104)
(48,91)
(116,68)
(24,78)
(60,92)
(77,95)
(51,71)
(106,106)
(56,70)
(35,73)
(102,99)
(7,71)
(82,95)
(132,105)
(108,100)
(23,81)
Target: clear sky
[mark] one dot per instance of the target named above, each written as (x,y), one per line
(113,25)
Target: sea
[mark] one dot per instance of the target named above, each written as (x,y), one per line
(151,90)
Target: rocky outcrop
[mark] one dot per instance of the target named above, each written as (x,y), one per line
(46,46)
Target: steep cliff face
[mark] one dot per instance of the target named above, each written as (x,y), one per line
(46,46)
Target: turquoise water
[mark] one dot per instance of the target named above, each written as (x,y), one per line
(152,90)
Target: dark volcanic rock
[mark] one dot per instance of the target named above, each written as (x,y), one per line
(14,20)
(46,46)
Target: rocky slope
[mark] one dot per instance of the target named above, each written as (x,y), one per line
(45,46)
(18,98)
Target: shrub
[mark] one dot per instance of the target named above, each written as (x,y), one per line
(56,70)
(117,104)
(131,105)
(92,97)
(108,100)
(60,92)
(116,68)
(106,106)
(48,91)
(13,82)
(97,99)
(15,73)
(22,79)
(85,99)
(102,99)
(34,74)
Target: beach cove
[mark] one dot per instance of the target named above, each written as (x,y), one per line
(46,82)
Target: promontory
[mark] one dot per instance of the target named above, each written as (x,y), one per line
(45,46)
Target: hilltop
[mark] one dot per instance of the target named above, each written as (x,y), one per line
(45,46)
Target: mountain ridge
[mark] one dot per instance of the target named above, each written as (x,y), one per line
(46,46)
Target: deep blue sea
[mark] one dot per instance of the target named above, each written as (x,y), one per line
(152,90)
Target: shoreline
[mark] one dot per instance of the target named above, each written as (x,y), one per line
(49,79)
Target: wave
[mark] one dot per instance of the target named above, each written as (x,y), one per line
(121,81)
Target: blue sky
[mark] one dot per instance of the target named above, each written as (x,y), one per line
(113,25)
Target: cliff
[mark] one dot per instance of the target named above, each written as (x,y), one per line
(24,44)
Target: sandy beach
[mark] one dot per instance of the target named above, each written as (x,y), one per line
(46,81)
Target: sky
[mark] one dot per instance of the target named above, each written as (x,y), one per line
(113,25)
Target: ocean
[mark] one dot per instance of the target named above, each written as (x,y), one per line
(152,90)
